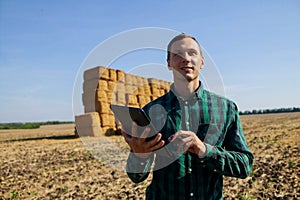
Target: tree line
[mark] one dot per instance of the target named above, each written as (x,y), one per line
(267,111)
(30,125)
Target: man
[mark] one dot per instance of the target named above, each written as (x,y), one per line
(201,130)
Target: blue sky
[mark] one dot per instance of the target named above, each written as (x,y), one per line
(255,46)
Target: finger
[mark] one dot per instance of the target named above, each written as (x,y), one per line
(183,147)
(183,143)
(186,139)
(180,148)
(175,136)
(155,140)
(187,146)
(157,146)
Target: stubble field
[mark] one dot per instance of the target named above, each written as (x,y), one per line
(50,163)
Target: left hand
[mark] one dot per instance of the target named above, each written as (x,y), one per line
(188,141)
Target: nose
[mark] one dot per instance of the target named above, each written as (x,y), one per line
(185,57)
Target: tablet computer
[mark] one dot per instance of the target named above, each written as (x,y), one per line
(127,115)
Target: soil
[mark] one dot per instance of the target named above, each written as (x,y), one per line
(51,163)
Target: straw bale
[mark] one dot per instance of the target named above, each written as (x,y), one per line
(141,98)
(88,124)
(129,89)
(90,85)
(90,131)
(128,79)
(140,90)
(167,85)
(107,120)
(104,108)
(161,84)
(120,87)
(96,73)
(134,80)
(113,98)
(162,92)
(120,75)
(121,98)
(93,107)
(147,98)
(111,85)
(112,75)
(139,81)
(88,98)
(112,120)
(101,96)
(103,85)
(153,81)
(87,119)
(155,91)
(147,90)
(154,97)
(131,99)
(145,81)
(142,104)
(136,105)
(155,85)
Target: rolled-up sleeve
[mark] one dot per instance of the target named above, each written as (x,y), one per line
(234,157)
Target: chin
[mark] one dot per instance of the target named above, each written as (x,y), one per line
(190,78)
(185,77)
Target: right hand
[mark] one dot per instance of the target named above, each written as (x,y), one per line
(140,147)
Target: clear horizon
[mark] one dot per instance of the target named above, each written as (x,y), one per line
(254,45)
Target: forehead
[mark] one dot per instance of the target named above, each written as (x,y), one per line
(184,44)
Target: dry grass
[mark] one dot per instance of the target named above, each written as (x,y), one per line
(49,163)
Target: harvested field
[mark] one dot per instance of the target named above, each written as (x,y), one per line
(50,163)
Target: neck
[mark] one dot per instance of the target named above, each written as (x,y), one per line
(185,88)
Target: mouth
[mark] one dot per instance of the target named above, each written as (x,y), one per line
(187,69)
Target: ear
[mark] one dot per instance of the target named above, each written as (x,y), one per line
(202,63)
(169,66)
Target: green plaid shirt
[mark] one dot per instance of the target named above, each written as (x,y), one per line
(216,122)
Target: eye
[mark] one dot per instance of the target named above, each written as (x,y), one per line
(193,53)
(176,54)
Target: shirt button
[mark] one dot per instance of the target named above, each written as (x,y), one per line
(190,170)
(142,163)
(215,170)
(191,194)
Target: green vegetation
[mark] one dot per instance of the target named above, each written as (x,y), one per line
(14,195)
(30,125)
(267,111)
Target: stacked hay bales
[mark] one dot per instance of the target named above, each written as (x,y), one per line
(104,86)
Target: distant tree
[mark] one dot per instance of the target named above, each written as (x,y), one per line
(266,111)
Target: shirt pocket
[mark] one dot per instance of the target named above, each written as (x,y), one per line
(210,133)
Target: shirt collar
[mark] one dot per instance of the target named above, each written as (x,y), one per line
(197,94)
